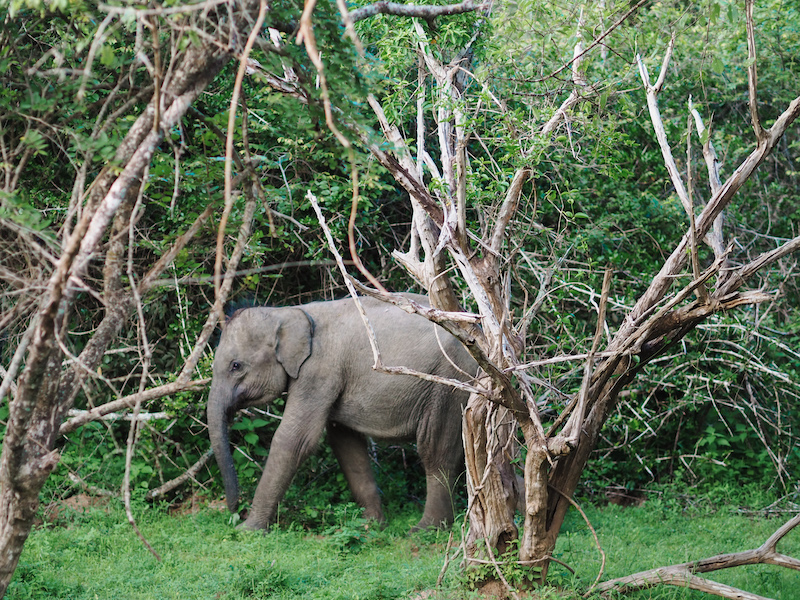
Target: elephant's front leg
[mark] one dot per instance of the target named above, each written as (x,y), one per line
(295,439)
(350,449)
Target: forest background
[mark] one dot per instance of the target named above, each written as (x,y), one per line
(222,215)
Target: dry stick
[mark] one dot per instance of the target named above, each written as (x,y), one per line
(674,263)
(573,427)
(99,40)
(306,34)
(410,306)
(578,79)
(9,377)
(306,37)
(378,364)
(712,165)
(752,73)
(572,430)
(170,485)
(130,401)
(498,571)
(237,87)
(227,283)
(351,226)
(596,41)
(145,284)
(92,489)
(658,126)
(421,76)
(115,416)
(683,575)
(594,534)
(702,294)
(736,278)
(447,559)
(133,431)
(424,11)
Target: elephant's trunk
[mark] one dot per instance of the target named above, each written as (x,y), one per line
(220,443)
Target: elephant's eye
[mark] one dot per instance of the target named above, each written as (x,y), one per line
(236,365)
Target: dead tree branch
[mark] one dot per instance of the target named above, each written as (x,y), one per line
(190,473)
(685,574)
(422,11)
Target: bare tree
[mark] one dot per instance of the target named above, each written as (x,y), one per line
(441,243)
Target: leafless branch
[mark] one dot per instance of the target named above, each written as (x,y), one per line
(151,12)
(658,126)
(423,11)
(712,164)
(161,491)
(752,73)
(146,356)
(596,41)
(115,416)
(378,364)
(684,575)
(508,209)
(262,10)
(129,402)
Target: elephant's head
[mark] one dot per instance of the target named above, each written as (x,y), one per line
(259,351)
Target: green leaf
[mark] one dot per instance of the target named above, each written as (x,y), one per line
(713,13)
(107,56)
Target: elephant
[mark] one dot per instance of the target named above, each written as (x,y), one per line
(319,354)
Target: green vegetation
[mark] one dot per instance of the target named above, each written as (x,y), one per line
(93,553)
(713,413)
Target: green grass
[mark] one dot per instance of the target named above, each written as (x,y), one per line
(96,555)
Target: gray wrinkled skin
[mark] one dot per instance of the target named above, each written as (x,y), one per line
(320,354)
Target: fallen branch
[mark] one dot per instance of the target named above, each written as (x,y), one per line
(92,489)
(684,575)
(158,492)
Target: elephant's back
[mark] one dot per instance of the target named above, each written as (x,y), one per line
(381,405)
(404,339)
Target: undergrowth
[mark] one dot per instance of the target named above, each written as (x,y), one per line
(94,554)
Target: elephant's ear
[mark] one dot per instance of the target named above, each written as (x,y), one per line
(293,340)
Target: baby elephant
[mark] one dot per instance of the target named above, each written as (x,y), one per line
(320,354)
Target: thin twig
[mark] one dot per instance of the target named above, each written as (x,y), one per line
(146,358)
(237,87)
(752,73)
(378,364)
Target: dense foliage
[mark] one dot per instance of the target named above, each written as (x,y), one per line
(720,407)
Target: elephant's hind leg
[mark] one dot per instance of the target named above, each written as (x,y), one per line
(440,449)
(350,449)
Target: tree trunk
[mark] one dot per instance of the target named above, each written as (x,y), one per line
(489,448)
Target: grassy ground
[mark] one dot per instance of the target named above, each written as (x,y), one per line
(96,555)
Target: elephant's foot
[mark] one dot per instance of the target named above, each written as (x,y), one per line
(375,515)
(431,523)
(251,524)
